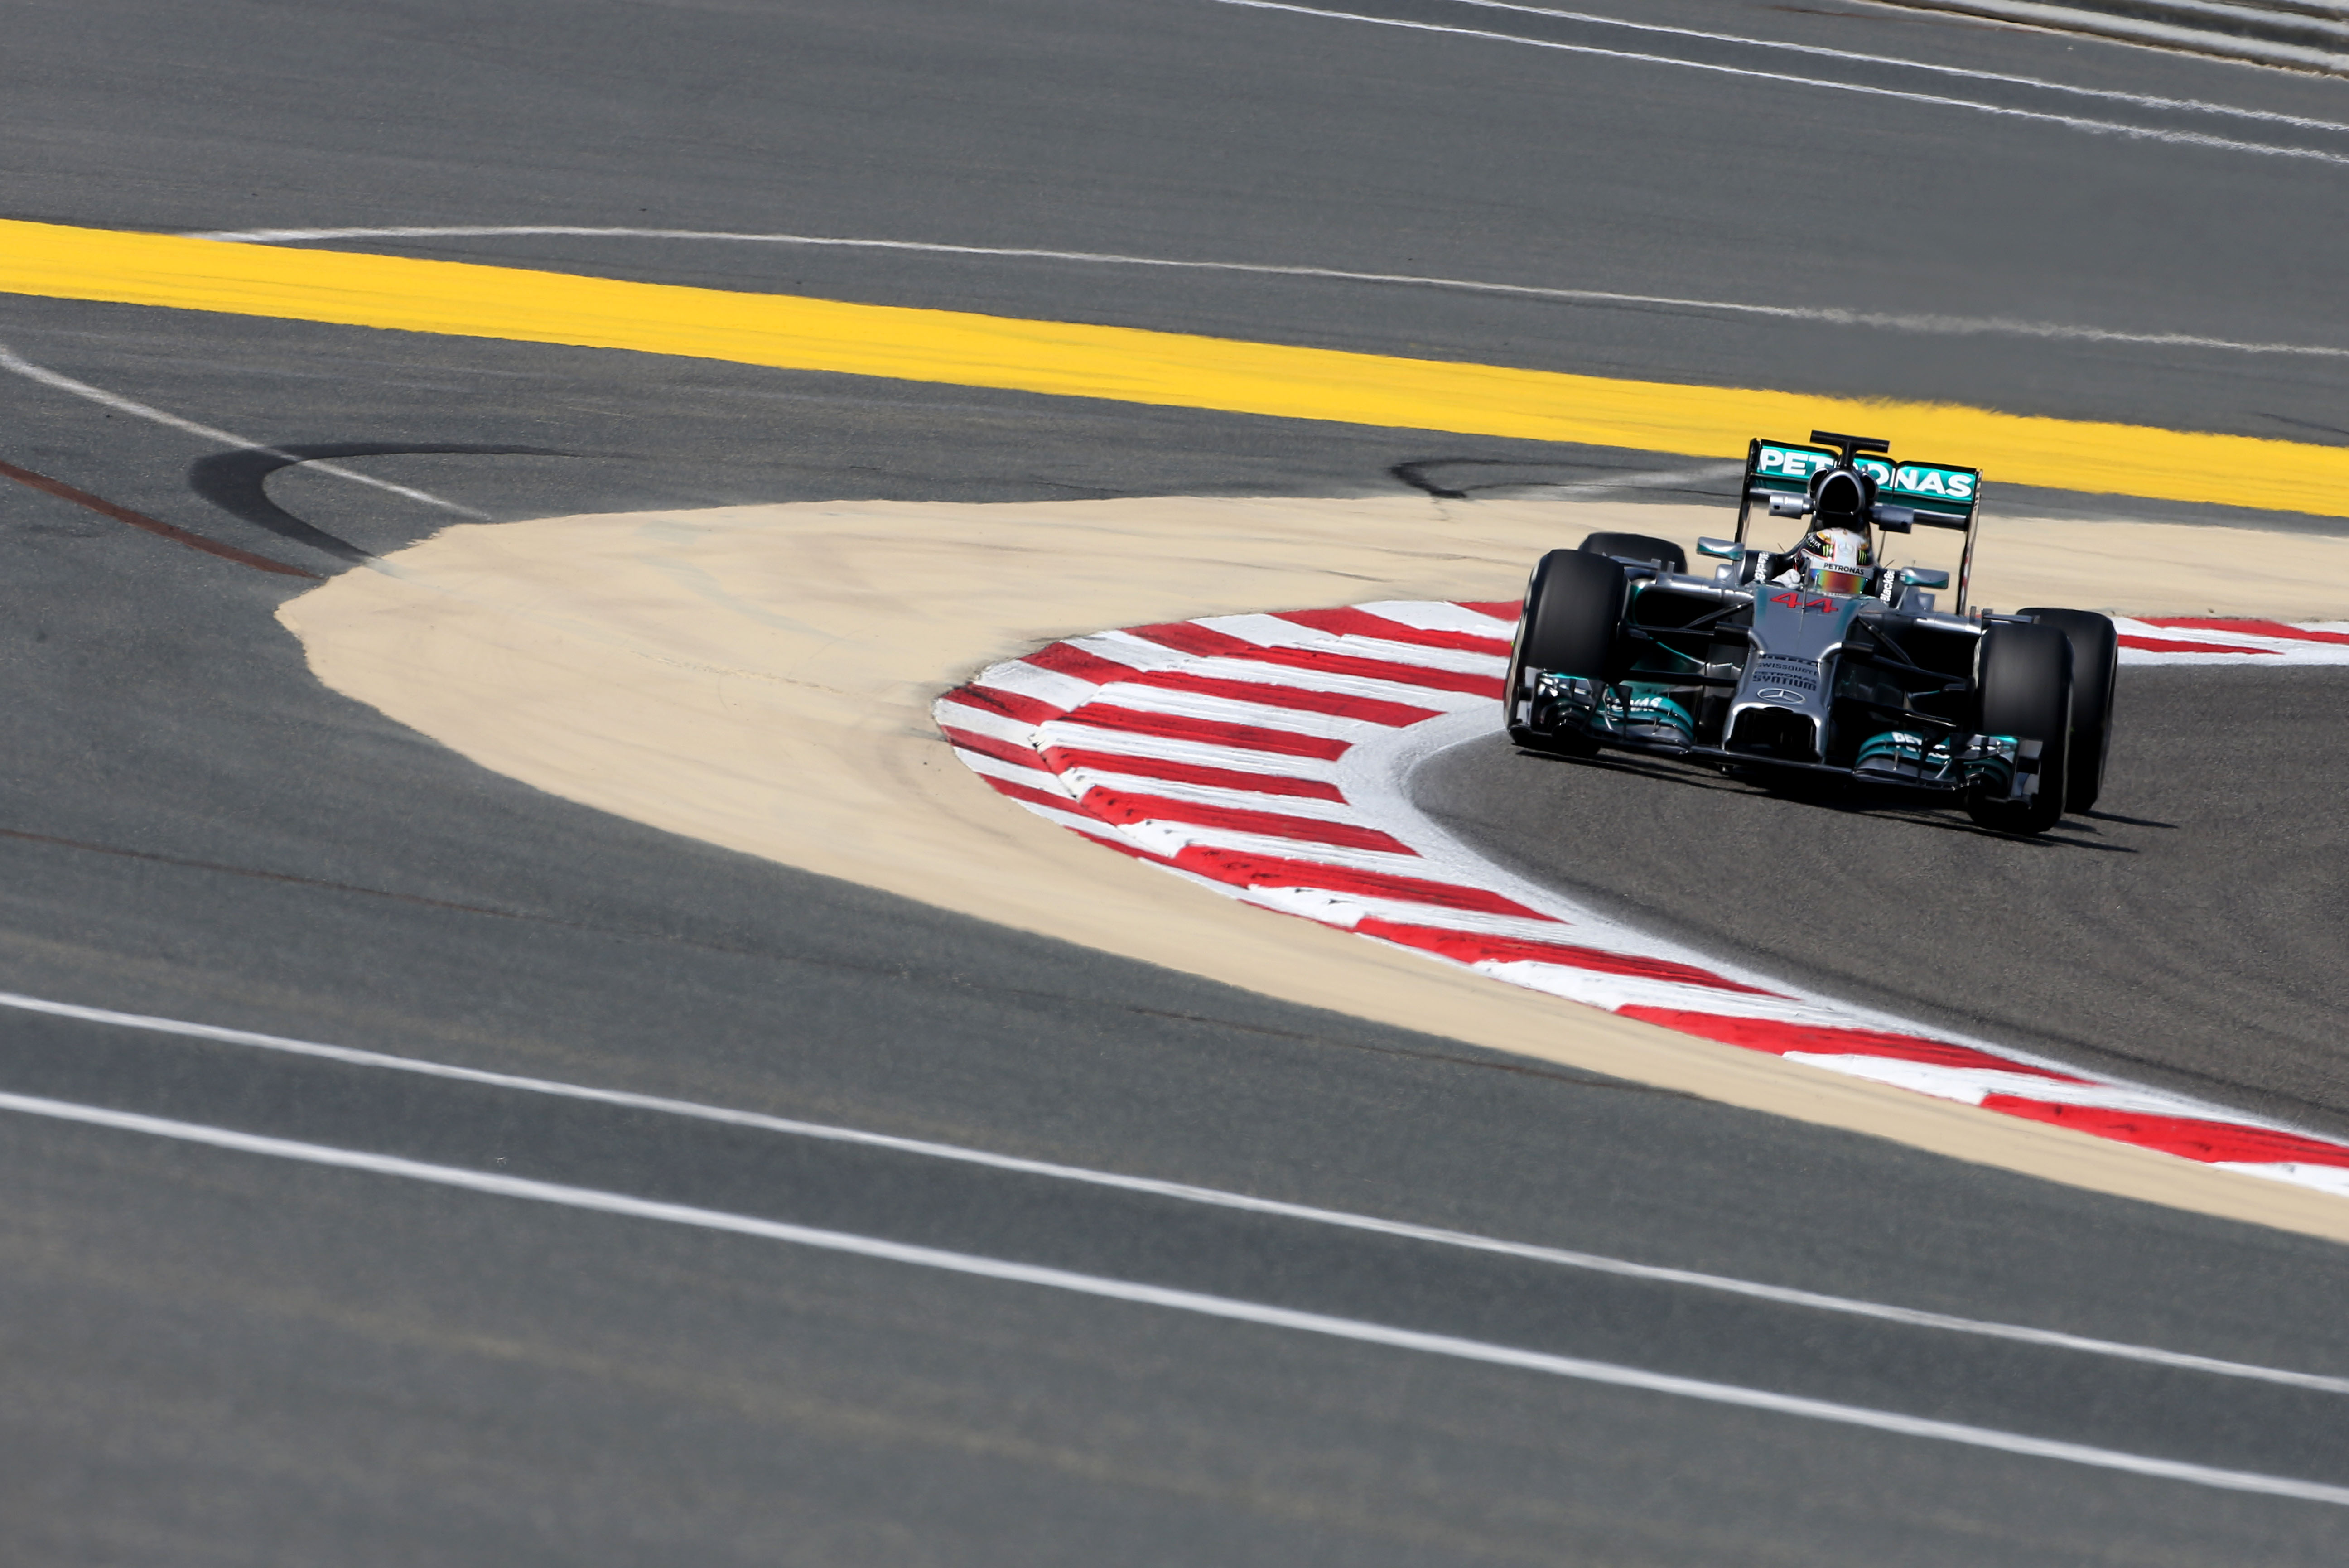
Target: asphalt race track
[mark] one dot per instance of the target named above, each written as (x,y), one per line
(208,1355)
(2184,932)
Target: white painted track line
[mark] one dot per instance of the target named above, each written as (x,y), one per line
(10,360)
(1963,73)
(1936,100)
(1227,1308)
(1185,1193)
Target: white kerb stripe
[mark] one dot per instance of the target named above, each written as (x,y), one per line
(985,766)
(1176,703)
(1408,693)
(1078,780)
(1228,1308)
(1075,734)
(1271,632)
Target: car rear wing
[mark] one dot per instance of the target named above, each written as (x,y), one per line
(1909,494)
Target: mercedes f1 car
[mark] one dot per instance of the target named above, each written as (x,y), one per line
(1817,660)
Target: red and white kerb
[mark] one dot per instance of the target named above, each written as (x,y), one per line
(1263,756)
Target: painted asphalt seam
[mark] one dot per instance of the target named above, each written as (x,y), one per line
(1303,809)
(1945,326)
(1210,1197)
(1229,1309)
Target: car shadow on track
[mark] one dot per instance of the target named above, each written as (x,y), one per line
(1845,798)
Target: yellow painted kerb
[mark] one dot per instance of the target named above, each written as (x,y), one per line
(1129,365)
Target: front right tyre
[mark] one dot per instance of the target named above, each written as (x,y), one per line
(1574,605)
(2025,676)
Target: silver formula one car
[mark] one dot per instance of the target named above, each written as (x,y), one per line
(1817,660)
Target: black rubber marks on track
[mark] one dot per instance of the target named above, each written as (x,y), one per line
(1459,478)
(236,481)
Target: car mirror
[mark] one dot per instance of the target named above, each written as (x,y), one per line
(1725,549)
(1918,578)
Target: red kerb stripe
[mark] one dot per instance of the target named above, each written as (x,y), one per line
(1184,636)
(1326,663)
(1116,806)
(1499,609)
(1022,792)
(1371,710)
(1065,658)
(2187,1135)
(1001,751)
(2247,628)
(1363,623)
(2162,645)
(1010,704)
(1778,1038)
(1189,637)
(1060,759)
(1247,870)
(1207,731)
(1470,947)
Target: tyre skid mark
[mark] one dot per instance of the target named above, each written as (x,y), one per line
(1136,704)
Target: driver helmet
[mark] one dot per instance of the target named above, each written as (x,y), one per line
(1836,560)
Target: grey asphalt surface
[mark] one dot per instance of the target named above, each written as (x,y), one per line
(213,1357)
(2185,931)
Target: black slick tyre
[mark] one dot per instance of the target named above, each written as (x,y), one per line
(2095,661)
(1638,548)
(2026,692)
(1574,603)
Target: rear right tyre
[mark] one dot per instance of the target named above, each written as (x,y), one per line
(2095,661)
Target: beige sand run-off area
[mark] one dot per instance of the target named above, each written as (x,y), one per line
(761,677)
